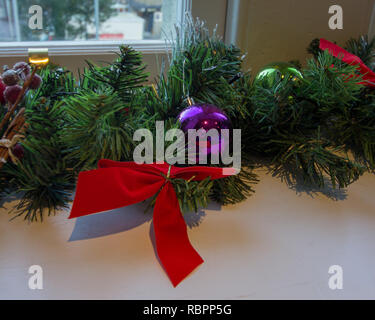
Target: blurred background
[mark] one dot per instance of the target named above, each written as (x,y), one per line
(267,31)
(77,19)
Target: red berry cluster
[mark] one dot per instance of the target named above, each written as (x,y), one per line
(10,79)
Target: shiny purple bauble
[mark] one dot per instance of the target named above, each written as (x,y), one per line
(206,116)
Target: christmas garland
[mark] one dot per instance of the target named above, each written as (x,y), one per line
(315,125)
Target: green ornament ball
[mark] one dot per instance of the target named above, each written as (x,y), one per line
(276,72)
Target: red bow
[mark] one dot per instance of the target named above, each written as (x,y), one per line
(118,184)
(351,59)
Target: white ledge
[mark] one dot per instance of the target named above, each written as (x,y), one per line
(91,47)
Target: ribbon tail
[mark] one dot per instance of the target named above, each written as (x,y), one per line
(173,246)
(367,74)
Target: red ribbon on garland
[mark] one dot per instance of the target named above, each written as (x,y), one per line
(351,59)
(117,184)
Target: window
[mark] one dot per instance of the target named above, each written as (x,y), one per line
(85,26)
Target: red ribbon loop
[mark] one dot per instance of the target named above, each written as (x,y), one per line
(117,184)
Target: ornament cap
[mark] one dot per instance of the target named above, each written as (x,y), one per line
(38,56)
(190,101)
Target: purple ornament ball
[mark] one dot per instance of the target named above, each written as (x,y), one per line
(206,116)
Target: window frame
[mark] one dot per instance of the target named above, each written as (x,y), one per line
(93,47)
(231,23)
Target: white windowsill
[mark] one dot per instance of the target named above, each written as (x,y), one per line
(92,47)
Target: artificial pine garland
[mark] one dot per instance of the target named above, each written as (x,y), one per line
(303,129)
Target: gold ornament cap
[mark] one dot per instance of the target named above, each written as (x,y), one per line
(38,56)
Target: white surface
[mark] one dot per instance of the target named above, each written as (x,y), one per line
(278,244)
